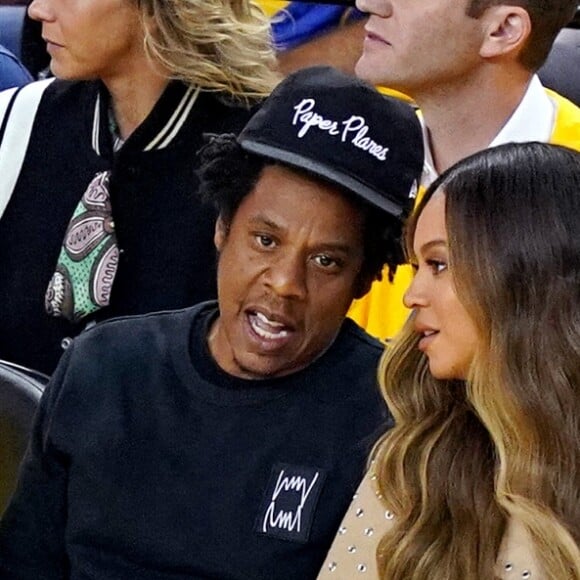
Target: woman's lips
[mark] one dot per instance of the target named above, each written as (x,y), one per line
(427,338)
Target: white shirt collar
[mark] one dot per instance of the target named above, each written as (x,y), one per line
(533,120)
(429,174)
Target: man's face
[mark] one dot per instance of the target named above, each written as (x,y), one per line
(287,273)
(415,46)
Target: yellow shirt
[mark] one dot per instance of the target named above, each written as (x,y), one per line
(270,7)
(381,311)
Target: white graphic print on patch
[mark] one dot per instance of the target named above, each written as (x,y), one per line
(289,502)
(289,520)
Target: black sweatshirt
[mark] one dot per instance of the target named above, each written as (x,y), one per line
(149,462)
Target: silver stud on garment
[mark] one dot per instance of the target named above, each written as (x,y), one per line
(361,568)
(526,574)
(508,567)
(342,530)
(351,549)
(355,496)
(332,566)
(389,515)
(369,531)
(359,513)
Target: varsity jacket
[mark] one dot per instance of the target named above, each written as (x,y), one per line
(164,233)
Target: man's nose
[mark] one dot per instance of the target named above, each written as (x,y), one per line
(40,10)
(382,8)
(287,276)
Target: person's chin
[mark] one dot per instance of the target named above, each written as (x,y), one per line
(440,371)
(63,73)
(444,371)
(70,73)
(363,70)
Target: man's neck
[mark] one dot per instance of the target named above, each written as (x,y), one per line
(465,119)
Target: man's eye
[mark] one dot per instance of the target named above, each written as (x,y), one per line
(325,261)
(264,240)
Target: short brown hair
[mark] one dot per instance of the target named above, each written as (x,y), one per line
(548,18)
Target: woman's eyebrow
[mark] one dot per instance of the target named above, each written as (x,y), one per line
(432,244)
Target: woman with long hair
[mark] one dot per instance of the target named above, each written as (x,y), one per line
(480,476)
(103,219)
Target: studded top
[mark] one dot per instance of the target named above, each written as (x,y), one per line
(352,554)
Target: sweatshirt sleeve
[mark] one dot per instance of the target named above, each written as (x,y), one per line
(32,529)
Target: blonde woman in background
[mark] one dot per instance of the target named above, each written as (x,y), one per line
(103,220)
(480,477)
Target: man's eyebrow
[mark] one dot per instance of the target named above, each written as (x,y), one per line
(262,220)
(336,247)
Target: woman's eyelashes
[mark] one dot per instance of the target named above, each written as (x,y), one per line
(437,266)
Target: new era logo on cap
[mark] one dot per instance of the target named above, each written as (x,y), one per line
(341,129)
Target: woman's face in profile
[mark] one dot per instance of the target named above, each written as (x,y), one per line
(448,334)
(92,39)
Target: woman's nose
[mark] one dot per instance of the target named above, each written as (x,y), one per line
(415,295)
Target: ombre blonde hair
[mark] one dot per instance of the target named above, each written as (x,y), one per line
(218,45)
(464,456)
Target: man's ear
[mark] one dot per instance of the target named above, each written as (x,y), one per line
(220,234)
(507,30)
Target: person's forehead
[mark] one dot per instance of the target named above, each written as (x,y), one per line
(288,195)
(431,222)
(277,181)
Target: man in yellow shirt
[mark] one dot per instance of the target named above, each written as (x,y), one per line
(471,67)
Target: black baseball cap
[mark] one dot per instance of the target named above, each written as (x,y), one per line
(341,129)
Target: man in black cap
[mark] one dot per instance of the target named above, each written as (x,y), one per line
(225,440)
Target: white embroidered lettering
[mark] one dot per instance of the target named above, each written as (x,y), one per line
(360,140)
(351,125)
(354,129)
(309,118)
